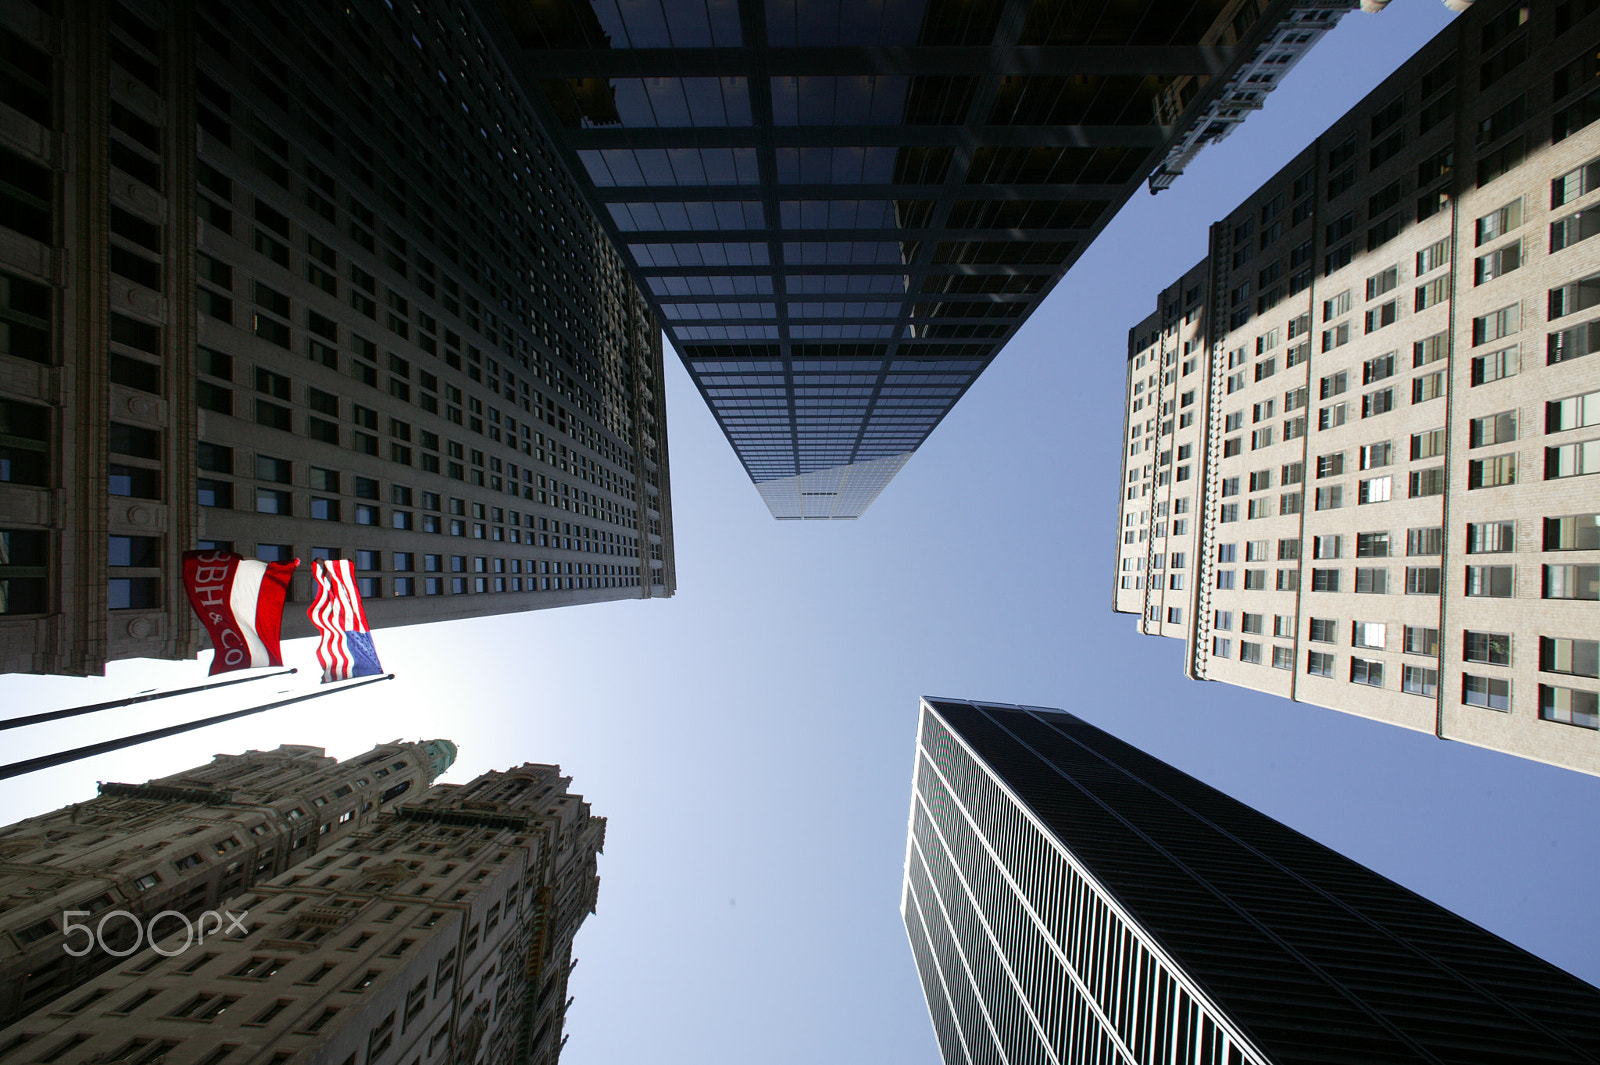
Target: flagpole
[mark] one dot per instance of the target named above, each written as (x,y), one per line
(54,715)
(45,761)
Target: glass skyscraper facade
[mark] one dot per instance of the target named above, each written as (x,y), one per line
(841,211)
(1071,899)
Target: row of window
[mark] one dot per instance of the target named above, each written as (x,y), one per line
(1558,582)
(485,470)
(137,232)
(1558,703)
(276,221)
(135,580)
(1492,366)
(1572,532)
(271,152)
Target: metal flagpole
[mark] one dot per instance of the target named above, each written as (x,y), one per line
(53,715)
(45,761)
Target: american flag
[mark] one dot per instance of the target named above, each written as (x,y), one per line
(345,649)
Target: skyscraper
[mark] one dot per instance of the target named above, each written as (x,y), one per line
(1360,441)
(439,930)
(1070,898)
(304,281)
(841,211)
(186,843)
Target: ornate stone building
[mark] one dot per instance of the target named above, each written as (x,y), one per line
(436,930)
(187,843)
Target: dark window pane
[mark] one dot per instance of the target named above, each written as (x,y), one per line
(135,593)
(213,397)
(136,482)
(135,373)
(24,443)
(135,551)
(216,458)
(215,493)
(24,319)
(135,441)
(21,595)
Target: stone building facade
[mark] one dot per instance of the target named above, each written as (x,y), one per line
(1165,425)
(1395,510)
(439,931)
(186,842)
(303,281)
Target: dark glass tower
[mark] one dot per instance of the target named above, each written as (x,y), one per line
(1071,899)
(841,209)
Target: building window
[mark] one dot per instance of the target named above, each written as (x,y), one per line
(1425,541)
(214,493)
(1496,365)
(1491,537)
(1491,581)
(1569,706)
(1492,429)
(24,440)
(1385,314)
(271,501)
(1575,532)
(1366,671)
(1572,460)
(1497,324)
(1497,263)
(135,482)
(1571,582)
(1493,693)
(1490,648)
(1421,641)
(1369,634)
(1565,232)
(1428,482)
(1497,223)
(1419,680)
(1500,470)
(1579,658)
(1427,387)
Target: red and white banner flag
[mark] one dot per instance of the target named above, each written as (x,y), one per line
(240,602)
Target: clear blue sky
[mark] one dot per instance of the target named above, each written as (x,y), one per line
(751,739)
